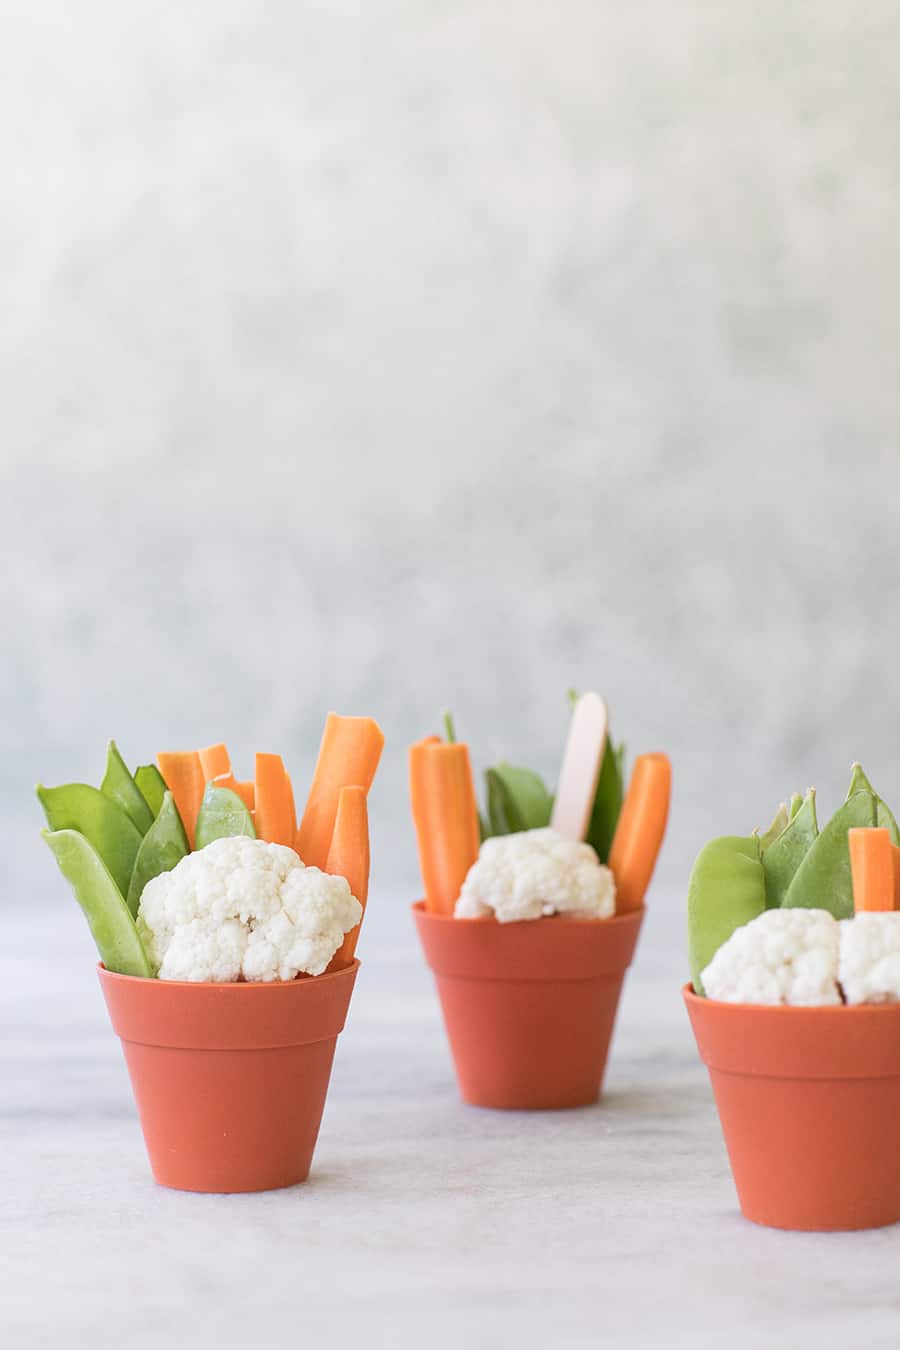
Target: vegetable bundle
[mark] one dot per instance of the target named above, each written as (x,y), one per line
(625,830)
(111,841)
(794,865)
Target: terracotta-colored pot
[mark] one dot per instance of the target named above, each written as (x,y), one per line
(809,1101)
(229,1079)
(529,1007)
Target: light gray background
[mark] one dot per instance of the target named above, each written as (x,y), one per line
(390,355)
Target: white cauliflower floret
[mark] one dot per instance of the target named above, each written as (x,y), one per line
(782,956)
(243,908)
(536,873)
(869,968)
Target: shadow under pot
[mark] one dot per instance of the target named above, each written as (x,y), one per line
(809,1101)
(529,1007)
(230,1079)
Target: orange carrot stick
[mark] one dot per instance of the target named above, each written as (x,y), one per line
(348,857)
(183,775)
(275,818)
(872,869)
(445,815)
(215,761)
(640,830)
(349,754)
(246,791)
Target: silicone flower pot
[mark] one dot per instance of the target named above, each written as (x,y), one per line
(809,1100)
(229,1079)
(529,1007)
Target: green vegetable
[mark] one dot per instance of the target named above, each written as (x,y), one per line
(449,727)
(119,785)
(796,803)
(779,824)
(783,856)
(823,879)
(726,890)
(108,916)
(152,786)
(608,801)
(222,814)
(517,800)
(883,813)
(104,824)
(163,846)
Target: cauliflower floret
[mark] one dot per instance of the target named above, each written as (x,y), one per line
(782,956)
(535,873)
(243,908)
(869,968)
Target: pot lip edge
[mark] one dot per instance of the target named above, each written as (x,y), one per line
(327,976)
(693,999)
(570,920)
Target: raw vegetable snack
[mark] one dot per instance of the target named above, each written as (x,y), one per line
(186,873)
(798,915)
(588,851)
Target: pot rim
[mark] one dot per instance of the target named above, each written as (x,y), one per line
(490,921)
(841,1010)
(227,987)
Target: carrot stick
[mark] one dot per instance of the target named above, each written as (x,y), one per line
(183,775)
(348,756)
(246,791)
(639,833)
(348,857)
(275,819)
(872,869)
(445,814)
(215,761)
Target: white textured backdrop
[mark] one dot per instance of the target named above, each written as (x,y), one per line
(391,355)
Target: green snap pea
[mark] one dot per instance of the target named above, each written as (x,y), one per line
(104,824)
(120,787)
(152,786)
(795,804)
(222,814)
(608,801)
(162,848)
(516,800)
(779,824)
(823,879)
(726,890)
(783,857)
(108,916)
(884,816)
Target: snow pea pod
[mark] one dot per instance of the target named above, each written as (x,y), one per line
(823,879)
(778,826)
(517,800)
(726,890)
(859,782)
(152,786)
(222,815)
(782,858)
(108,916)
(608,801)
(104,824)
(162,848)
(120,787)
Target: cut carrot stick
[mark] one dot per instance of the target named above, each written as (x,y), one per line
(215,761)
(275,819)
(640,830)
(246,791)
(872,869)
(183,775)
(348,756)
(348,857)
(445,815)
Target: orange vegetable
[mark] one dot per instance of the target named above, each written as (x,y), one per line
(872,868)
(275,817)
(215,762)
(445,814)
(183,776)
(246,791)
(348,756)
(640,830)
(348,857)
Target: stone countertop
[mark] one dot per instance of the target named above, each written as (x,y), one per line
(424,1222)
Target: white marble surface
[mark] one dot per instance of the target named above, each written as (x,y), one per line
(424,1222)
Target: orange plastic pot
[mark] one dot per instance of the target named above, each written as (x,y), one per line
(529,1007)
(809,1100)
(229,1079)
